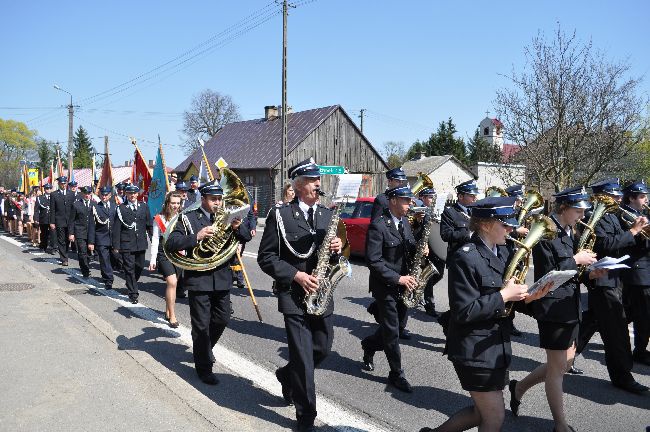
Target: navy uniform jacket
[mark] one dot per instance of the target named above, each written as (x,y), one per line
(183,237)
(42,209)
(379,206)
(387,254)
(562,305)
(277,261)
(477,336)
(192,196)
(100,233)
(60,207)
(611,240)
(132,240)
(80,219)
(454,228)
(639,262)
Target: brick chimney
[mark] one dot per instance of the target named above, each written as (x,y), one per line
(270,112)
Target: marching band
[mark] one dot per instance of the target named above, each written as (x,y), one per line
(490,243)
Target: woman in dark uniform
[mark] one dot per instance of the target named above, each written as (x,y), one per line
(478,342)
(558,314)
(158,258)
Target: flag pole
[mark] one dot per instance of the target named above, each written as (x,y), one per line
(205,160)
(162,158)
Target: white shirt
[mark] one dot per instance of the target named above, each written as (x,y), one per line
(462,207)
(494,250)
(396,220)
(305,209)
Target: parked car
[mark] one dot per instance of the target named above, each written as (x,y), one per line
(356,217)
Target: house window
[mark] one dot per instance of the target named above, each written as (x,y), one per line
(486,131)
(249,180)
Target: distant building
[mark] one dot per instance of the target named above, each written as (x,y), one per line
(253,150)
(444,171)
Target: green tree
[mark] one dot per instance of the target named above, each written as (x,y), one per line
(46,154)
(416,149)
(83,149)
(16,140)
(482,151)
(443,142)
(393,153)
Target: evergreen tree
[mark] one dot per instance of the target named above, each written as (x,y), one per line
(46,154)
(482,151)
(415,150)
(83,149)
(443,142)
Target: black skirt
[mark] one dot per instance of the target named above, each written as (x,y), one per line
(557,336)
(163,265)
(481,379)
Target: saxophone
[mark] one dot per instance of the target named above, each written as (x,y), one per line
(421,268)
(328,274)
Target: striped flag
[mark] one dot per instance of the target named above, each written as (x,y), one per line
(159,185)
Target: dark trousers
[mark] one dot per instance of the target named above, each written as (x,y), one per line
(209,313)
(46,237)
(607,315)
(390,313)
(104,253)
(133,263)
(310,341)
(82,254)
(637,301)
(62,242)
(428,290)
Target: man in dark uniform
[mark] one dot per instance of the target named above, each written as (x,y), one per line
(396,177)
(81,216)
(131,226)
(72,186)
(636,279)
(606,312)
(428,196)
(182,187)
(42,218)
(288,253)
(100,234)
(389,246)
(119,197)
(60,207)
(209,291)
(193,192)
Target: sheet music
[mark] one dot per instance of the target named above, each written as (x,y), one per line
(557,277)
(609,263)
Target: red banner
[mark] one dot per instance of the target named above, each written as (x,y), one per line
(141,174)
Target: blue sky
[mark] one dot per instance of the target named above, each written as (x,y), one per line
(411,64)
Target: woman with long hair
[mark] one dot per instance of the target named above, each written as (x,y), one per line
(288,194)
(558,314)
(478,339)
(159,260)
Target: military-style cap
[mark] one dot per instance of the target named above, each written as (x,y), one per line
(400,192)
(105,190)
(515,190)
(426,192)
(13,190)
(119,186)
(610,186)
(131,188)
(576,197)
(47,186)
(181,186)
(62,179)
(193,179)
(396,174)
(211,188)
(86,189)
(306,168)
(20,193)
(469,187)
(501,208)
(636,187)
(72,183)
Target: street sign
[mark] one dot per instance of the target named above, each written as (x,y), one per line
(331,170)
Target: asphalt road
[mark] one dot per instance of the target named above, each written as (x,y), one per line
(591,402)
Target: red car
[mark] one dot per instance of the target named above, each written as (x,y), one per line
(356,216)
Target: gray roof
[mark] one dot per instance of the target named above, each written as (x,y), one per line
(255,144)
(429,164)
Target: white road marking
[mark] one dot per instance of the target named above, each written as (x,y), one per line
(329,412)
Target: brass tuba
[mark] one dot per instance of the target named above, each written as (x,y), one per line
(602,204)
(423,182)
(214,251)
(495,191)
(541,228)
(532,200)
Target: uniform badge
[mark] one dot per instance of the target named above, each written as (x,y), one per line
(465,248)
(297,214)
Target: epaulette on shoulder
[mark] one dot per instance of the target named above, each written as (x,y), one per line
(467,248)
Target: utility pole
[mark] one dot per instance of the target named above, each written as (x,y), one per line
(285,127)
(361,117)
(70,129)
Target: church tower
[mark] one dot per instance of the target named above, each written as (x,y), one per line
(491,129)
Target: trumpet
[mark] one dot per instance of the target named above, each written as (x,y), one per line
(629,218)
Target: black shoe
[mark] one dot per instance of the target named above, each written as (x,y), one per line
(400,383)
(241,285)
(305,426)
(514,403)
(575,371)
(427,429)
(209,378)
(286,387)
(86,275)
(368,364)
(632,387)
(515,331)
(642,357)
(430,310)
(405,334)
(134,301)
(64,263)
